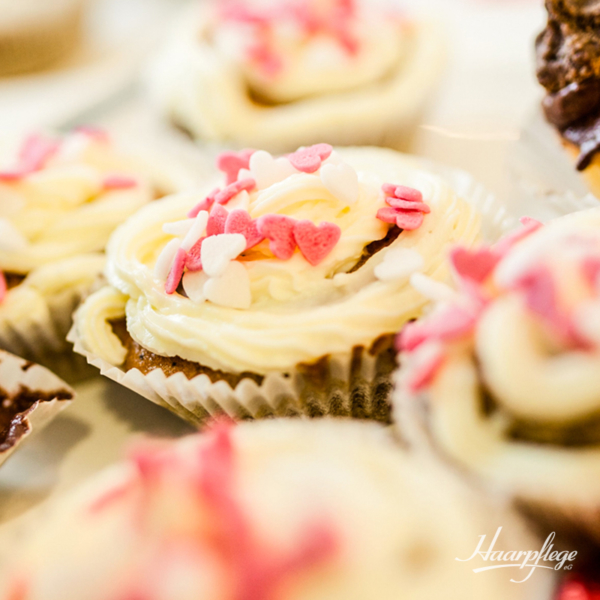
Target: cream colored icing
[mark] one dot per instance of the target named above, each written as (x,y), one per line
(298,313)
(343,99)
(63,210)
(532,375)
(399,523)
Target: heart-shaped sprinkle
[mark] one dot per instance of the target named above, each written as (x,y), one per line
(476,264)
(506,243)
(118,182)
(267,170)
(342,181)
(233,189)
(314,242)
(240,221)
(11,239)
(205,204)
(432,289)
(387,215)
(231,163)
(219,250)
(232,289)
(193,261)
(408,205)
(176,272)
(165,259)
(216,220)
(178,227)
(193,284)
(279,230)
(409,221)
(402,192)
(399,263)
(308,160)
(196,230)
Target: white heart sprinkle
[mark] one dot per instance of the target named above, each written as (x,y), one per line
(219,250)
(193,283)
(431,289)
(11,239)
(342,181)
(178,227)
(165,259)
(399,263)
(267,170)
(196,230)
(232,289)
(245,174)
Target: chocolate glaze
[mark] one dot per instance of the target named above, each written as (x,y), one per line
(568,66)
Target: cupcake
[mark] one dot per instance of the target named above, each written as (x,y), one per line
(30,396)
(288,510)
(36,33)
(60,199)
(503,378)
(280,291)
(568,66)
(282,74)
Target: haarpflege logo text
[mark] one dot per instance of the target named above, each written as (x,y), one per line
(527,561)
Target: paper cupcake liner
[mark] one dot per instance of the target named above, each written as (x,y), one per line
(46,396)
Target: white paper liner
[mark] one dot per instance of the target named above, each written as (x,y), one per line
(349,393)
(17,373)
(544,181)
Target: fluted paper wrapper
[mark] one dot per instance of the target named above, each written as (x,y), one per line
(18,375)
(356,385)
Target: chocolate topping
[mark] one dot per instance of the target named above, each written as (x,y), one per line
(568,66)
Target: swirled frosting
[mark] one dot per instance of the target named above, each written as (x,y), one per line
(292,311)
(510,363)
(278,509)
(293,70)
(61,198)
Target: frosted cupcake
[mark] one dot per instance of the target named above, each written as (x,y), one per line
(288,510)
(504,377)
(60,199)
(280,291)
(30,396)
(283,74)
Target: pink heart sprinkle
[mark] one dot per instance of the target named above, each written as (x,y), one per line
(3,287)
(423,374)
(233,189)
(529,226)
(408,205)
(193,261)
(204,204)
(314,242)
(231,163)
(240,221)
(476,265)
(449,325)
(308,160)
(118,182)
(387,215)
(402,192)
(176,272)
(216,220)
(279,230)
(409,221)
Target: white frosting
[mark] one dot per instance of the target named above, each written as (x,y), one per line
(322,92)
(63,209)
(298,312)
(399,523)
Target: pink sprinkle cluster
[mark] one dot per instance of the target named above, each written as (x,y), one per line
(405,209)
(473,269)
(254,571)
(335,21)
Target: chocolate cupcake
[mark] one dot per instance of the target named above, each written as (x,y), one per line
(282,74)
(60,199)
(30,396)
(568,66)
(503,378)
(280,291)
(279,509)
